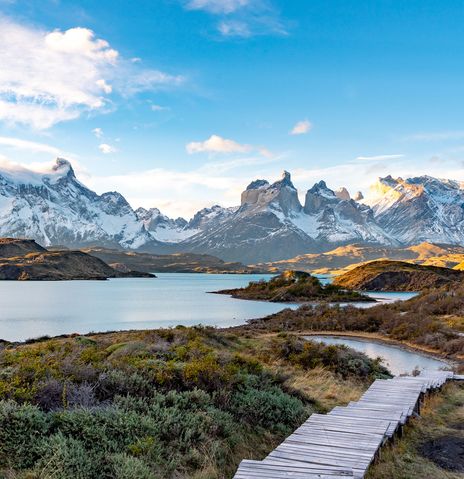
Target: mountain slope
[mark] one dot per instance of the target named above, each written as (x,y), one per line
(56,208)
(419,209)
(272,224)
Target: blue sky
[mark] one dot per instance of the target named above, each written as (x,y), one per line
(179,104)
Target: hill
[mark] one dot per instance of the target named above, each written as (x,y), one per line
(294,286)
(10,247)
(344,258)
(33,262)
(170,263)
(397,276)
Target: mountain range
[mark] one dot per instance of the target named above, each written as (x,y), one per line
(55,208)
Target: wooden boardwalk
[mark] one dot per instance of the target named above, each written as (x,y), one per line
(346,441)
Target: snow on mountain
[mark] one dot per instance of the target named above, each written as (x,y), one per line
(55,208)
(419,209)
(260,228)
(163,228)
(271,223)
(334,218)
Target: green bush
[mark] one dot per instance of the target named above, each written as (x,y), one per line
(22,428)
(270,408)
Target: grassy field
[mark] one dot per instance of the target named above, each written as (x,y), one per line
(177,403)
(432,445)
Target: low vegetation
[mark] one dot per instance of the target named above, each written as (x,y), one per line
(432,445)
(184,402)
(389,275)
(425,321)
(295,286)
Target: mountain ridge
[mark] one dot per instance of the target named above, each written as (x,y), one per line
(270,224)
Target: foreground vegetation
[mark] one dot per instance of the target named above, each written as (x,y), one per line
(295,286)
(430,321)
(184,402)
(432,446)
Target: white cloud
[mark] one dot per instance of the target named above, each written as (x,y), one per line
(147,80)
(217,6)
(32,146)
(98,132)
(107,149)
(379,157)
(49,77)
(301,128)
(234,29)
(159,108)
(217,144)
(436,136)
(104,86)
(241,18)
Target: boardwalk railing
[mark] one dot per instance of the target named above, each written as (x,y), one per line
(346,441)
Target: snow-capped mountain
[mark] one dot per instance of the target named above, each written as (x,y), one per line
(272,223)
(260,228)
(419,209)
(163,228)
(55,208)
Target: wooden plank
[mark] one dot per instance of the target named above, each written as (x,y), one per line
(344,442)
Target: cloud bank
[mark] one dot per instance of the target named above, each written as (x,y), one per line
(48,77)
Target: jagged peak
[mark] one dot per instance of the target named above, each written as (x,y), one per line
(321,186)
(257,184)
(343,194)
(358,196)
(114,198)
(286,180)
(63,167)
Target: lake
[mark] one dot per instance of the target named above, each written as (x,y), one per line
(396,359)
(36,308)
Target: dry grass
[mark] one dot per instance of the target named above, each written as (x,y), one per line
(325,388)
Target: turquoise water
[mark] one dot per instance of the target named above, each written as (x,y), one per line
(36,308)
(397,360)
(32,309)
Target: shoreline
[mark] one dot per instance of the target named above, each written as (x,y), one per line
(379,339)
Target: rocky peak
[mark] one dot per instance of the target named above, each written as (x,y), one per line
(318,197)
(286,180)
(255,185)
(343,194)
(281,195)
(64,168)
(358,196)
(114,203)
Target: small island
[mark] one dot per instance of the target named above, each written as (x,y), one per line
(295,287)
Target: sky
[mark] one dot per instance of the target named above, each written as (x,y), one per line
(179,104)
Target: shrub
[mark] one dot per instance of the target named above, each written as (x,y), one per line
(270,409)
(22,427)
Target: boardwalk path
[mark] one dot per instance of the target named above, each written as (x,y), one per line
(346,441)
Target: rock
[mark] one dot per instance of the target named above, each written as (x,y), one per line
(342,194)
